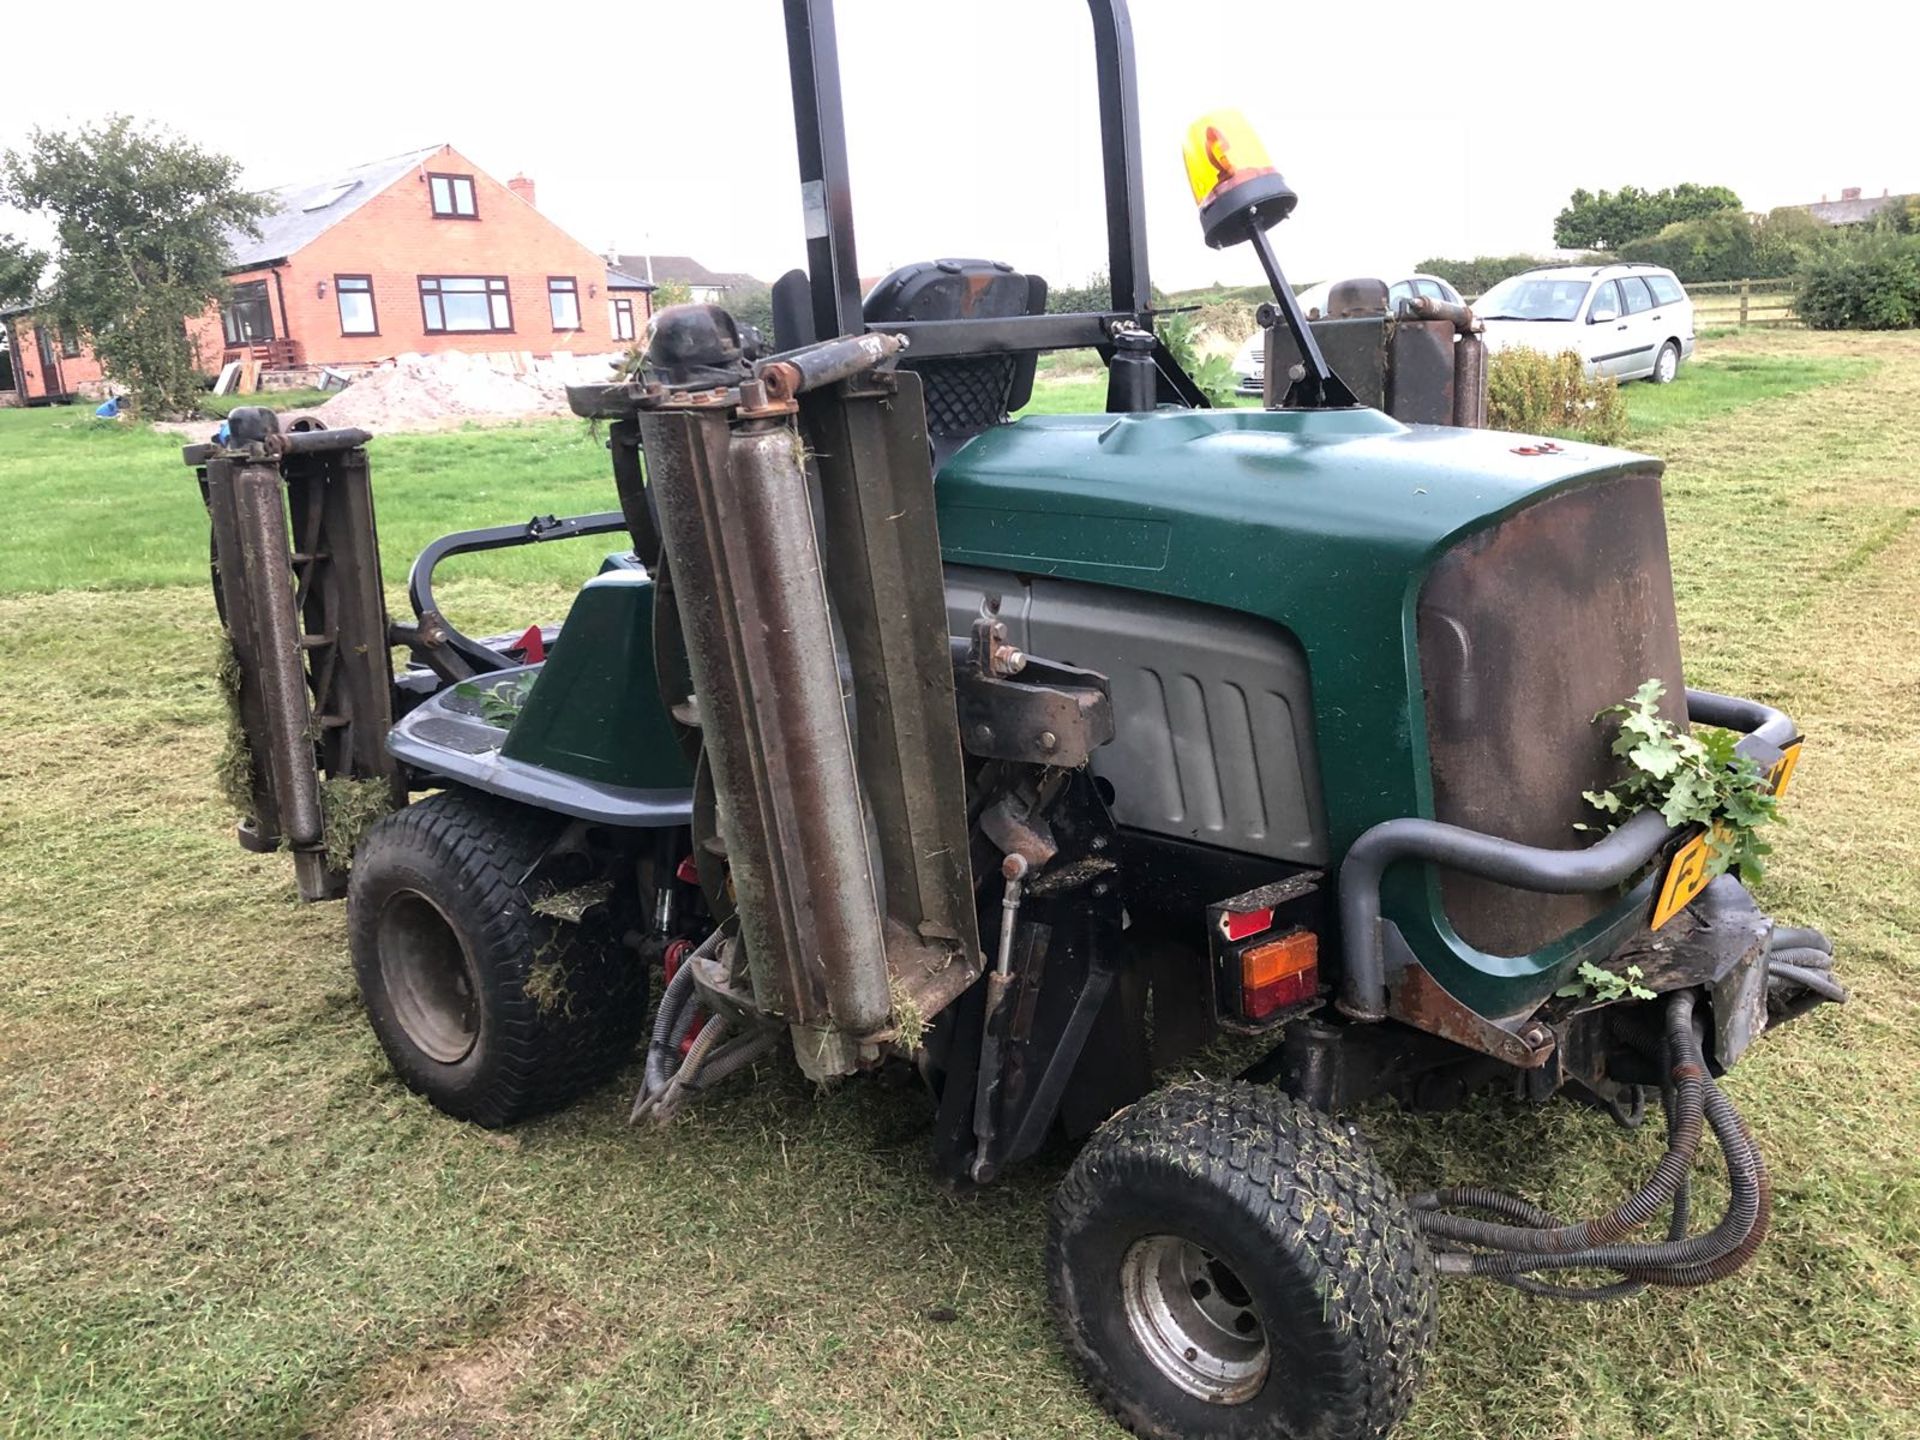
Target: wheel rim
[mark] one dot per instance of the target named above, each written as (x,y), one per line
(429,977)
(1194,1319)
(1669,363)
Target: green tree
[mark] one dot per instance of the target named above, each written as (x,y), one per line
(20,269)
(1786,241)
(671,292)
(1607,220)
(1712,247)
(142,219)
(752,304)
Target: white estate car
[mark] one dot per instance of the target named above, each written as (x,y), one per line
(1627,321)
(1250,365)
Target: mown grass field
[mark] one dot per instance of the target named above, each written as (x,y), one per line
(220,1216)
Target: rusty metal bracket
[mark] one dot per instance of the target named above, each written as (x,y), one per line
(1050,714)
(1423,1002)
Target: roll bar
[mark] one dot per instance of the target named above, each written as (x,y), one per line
(813,63)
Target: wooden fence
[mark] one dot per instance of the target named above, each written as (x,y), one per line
(1721,303)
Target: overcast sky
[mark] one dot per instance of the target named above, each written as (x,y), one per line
(1408,131)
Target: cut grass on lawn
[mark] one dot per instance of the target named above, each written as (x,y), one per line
(1719,378)
(98,504)
(1723,377)
(221,1215)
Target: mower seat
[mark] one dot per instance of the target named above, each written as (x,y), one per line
(966,394)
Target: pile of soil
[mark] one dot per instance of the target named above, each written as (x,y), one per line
(433,392)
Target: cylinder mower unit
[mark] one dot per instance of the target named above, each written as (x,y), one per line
(296,579)
(1031,757)
(837,802)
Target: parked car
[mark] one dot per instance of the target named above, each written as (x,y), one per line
(1250,365)
(1629,321)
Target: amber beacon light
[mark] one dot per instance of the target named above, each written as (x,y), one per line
(1233,181)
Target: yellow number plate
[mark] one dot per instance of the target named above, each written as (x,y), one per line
(1687,872)
(1687,876)
(1782,770)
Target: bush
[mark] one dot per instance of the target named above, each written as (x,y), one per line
(1867,281)
(1714,247)
(1095,294)
(1734,246)
(1213,374)
(1480,274)
(1539,394)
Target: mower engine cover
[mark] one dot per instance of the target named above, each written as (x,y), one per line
(1466,601)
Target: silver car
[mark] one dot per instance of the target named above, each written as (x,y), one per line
(1633,322)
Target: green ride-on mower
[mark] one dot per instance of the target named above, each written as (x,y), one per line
(1034,756)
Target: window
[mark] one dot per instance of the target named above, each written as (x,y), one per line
(466,304)
(1523,297)
(1639,298)
(1666,290)
(1606,303)
(44,337)
(1432,289)
(563,299)
(452,197)
(248,316)
(620,318)
(355,296)
(70,343)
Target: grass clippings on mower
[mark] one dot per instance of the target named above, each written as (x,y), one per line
(348,809)
(233,761)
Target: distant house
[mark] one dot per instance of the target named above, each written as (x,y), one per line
(39,364)
(1851,208)
(418,252)
(628,305)
(707,286)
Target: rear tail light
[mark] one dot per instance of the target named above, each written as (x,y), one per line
(1278,973)
(1266,953)
(1239,924)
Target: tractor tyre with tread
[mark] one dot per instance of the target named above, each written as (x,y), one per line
(1224,1261)
(493,1011)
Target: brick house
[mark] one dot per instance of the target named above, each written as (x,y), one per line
(419,252)
(39,365)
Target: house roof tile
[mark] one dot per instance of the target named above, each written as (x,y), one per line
(302,213)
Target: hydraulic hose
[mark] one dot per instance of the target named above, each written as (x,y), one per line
(711,1058)
(663,1046)
(1800,937)
(1806,957)
(1818,981)
(1525,1239)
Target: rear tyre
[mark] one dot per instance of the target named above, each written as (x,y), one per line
(1666,365)
(1224,1261)
(491,1010)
